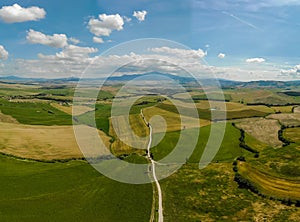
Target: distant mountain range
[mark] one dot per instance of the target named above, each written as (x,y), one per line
(155,76)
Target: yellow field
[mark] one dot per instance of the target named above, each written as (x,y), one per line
(222,106)
(7,119)
(270,185)
(254,143)
(250,96)
(68,109)
(292,119)
(282,109)
(264,130)
(42,142)
(292,134)
(138,128)
(29,101)
(297,109)
(172,120)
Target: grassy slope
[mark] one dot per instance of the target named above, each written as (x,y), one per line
(271,184)
(292,134)
(71,191)
(102,114)
(232,114)
(35,113)
(229,149)
(137,127)
(211,195)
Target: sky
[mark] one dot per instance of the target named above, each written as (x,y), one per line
(233,39)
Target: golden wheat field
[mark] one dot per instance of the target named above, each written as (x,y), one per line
(42,142)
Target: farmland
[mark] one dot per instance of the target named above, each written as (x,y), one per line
(264,130)
(43,169)
(32,191)
(42,142)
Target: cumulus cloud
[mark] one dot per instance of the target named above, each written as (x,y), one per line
(140,15)
(221,56)
(291,72)
(185,53)
(16,13)
(105,24)
(56,40)
(3,53)
(74,40)
(97,40)
(71,52)
(255,60)
(73,60)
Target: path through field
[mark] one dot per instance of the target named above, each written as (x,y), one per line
(160,208)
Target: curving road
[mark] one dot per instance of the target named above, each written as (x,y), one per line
(160,207)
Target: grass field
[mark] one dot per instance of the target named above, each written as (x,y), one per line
(228,151)
(246,112)
(73,191)
(42,142)
(255,143)
(264,130)
(173,120)
(211,195)
(269,184)
(7,118)
(35,113)
(292,134)
(138,128)
(79,110)
(101,117)
(254,95)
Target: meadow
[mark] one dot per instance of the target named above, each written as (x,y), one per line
(73,191)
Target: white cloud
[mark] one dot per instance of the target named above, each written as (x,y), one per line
(291,72)
(255,60)
(185,53)
(140,15)
(105,24)
(3,53)
(71,52)
(221,56)
(73,60)
(127,19)
(74,40)
(97,40)
(16,13)
(56,40)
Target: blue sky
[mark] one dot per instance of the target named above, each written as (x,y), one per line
(239,36)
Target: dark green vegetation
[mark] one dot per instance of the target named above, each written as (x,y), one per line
(73,191)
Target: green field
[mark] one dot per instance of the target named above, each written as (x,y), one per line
(73,191)
(35,113)
(228,151)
